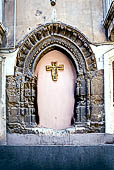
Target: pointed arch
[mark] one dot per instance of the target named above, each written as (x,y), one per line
(50,36)
(45,38)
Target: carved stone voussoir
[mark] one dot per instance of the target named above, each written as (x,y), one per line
(55,34)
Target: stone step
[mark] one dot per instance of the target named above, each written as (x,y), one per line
(59,138)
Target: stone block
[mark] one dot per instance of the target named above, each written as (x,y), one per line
(83,87)
(23,111)
(14,111)
(83,91)
(13,119)
(97,83)
(33,118)
(97,87)
(12,99)
(97,113)
(27,119)
(97,99)
(81,112)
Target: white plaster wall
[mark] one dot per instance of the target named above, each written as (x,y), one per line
(3,105)
(99,51)
(10,62)
(108,90)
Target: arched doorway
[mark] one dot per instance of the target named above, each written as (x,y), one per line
(21,107)
(55,97)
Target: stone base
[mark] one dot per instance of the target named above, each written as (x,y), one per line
(59,139)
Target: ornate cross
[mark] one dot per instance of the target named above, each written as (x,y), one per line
(54,70)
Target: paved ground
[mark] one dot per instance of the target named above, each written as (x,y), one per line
(57,157)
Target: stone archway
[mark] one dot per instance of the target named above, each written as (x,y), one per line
(46,37)
(39,42)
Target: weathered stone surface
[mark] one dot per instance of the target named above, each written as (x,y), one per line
(20,99)
(55,35)
(21,88)
(63,138)
(97,113)
(97,82)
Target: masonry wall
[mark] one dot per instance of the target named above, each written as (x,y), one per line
(86,15)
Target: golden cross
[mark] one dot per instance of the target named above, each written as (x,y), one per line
(54,70)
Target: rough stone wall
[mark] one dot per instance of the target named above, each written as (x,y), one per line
(21,94)
(95,106)
(97,114)
(20,102)
(22,113)
(86,15)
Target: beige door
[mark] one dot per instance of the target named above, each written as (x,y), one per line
(55,94)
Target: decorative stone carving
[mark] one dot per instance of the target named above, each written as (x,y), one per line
(21,88)
(49,36)
(21,95)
